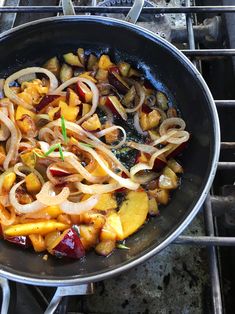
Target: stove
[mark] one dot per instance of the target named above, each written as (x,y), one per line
(195,273)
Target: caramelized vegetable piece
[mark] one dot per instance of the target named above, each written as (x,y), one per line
(50,238)
(175,166)
(8,181)
(89,236)
(159,163)
(105,203)
(85,108)
(66,73)
(114,221)
(116,80)
(114,104)
(133,212)
(72,59)
(22,241)
(124,68)
(128,99)
(92,63)
(101,75)
(92,124)
(111,137)
(2,155)
(51,211)
(38,242)
(45,101)
(21,111)
(81,55)
(154,135)
(134,73)
(153,207)
(171,113)
(84,92)
(72,98)
(149,120)
(53,65)
(27,125)
(104,62)
(33,184)
(162,195)
(168,179)
(105,248)
(162,101)
(68,244)
(42,227)
(68,112)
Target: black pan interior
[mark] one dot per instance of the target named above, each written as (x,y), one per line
(32,45)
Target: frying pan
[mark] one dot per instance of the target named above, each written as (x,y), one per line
(168,70)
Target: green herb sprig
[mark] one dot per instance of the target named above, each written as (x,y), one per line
(63,128)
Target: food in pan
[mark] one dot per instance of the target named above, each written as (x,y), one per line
(87,154)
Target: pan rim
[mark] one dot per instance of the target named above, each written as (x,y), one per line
(83,279)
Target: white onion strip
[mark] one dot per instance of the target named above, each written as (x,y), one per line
(127,183)
(111,129)
(78,208)
(171,123)
(48,197)
(17,100)
(23,209)
(137,124)
(142,147)
(97,188)
(94,141)
(72,160)
(144,166)
(141,94)
(14,140)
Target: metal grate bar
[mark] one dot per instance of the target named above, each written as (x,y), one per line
(113,10)
(225,103)
(209,52)
(205,240)
(226,165)
(214,272)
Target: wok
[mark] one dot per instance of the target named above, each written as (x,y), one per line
(169,70)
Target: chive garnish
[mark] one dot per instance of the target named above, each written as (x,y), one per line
(53,148)
(122,246)
(63,127)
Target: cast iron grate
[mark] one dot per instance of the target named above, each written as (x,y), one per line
(212,203)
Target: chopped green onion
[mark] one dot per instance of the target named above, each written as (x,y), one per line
(53,148)
(63,127)
(122,246)
(61,153)
(86,145)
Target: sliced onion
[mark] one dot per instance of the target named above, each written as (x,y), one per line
(171,123)
(45,147)
(179,137)
(97,188)
(89,138)
(78,208)
(17,171)
(23,209)
(94,89)
(85,174)
(111,129)
(144,166)
(137,124)
(144,178)
(164,137)
(141,94)
(142,147)
(4,131)
(14,141)
(47,195)
(122,181)
(17,100)
(7,221)
(26,78)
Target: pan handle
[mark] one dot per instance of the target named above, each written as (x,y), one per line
(5,295)
(68,291)
(135,11)
(132,16)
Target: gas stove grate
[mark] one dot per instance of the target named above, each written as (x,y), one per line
(211,241)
